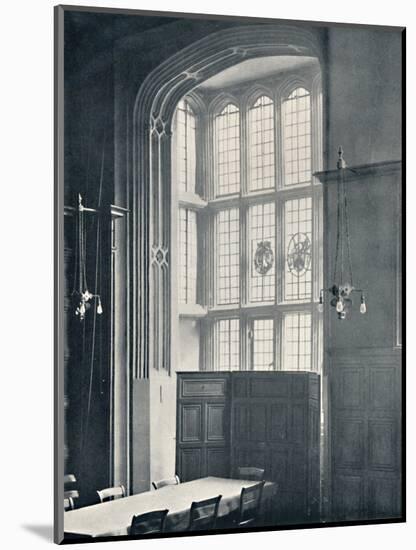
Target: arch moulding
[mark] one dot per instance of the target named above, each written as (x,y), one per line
(151,292)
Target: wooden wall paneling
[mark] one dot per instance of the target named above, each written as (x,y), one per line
(190,463)
(366,434)
(313,461)
(348,499)
(218,462)
(215,422)
(88,374)
(362,354)
(266,420)
(279,422)
(383,495)
(191,429)
(273,415)
(257,425)
(207,387)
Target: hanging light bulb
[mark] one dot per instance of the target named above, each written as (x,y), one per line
(363,306)
(340,305)
(99,307)
(82,310)
(321,302)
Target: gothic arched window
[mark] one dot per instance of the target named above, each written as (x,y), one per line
(253,235)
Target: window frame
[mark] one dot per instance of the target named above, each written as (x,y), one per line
(193,201)
(245,311)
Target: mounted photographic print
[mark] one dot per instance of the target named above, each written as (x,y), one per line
(228,274)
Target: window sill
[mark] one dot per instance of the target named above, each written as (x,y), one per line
(191,200)
(194,311)
(262,306)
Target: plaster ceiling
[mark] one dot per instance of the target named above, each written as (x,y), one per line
(254,69)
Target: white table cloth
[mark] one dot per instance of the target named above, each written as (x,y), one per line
(113,518)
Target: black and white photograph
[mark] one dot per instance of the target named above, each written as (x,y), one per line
(231,292)
(205,212)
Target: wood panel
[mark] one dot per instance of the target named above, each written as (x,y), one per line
(252,456)
(281,466)
(265,386)
(206,387)
(382,449)
(257,425)
(383,496)
(279,419)
(240,422)
(366,442)
(88,376)
(362,360)
(218,462)
(190,463)
(216,422)
(203,426)
(381,382)
(191,423)
(349,497)
(349,446)
(275,426)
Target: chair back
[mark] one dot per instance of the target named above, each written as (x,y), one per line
(68,504)
(203,514)
(163,482)
(250,473)
(111,493)
(151,522)
(69,478)
(71,494)
(250,500)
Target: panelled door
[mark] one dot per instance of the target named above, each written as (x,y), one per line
(203,443)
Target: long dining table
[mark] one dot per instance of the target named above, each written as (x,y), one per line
(114,518)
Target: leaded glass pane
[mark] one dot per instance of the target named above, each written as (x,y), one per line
(262,252)
(228,335)
(297,137)
(227,135)
(228,256)
(263,348)
(185,147)
(261,131)
(188,256)
(297,333)
(298,247)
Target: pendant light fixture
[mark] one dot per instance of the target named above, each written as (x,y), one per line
(343,287)
(80,282)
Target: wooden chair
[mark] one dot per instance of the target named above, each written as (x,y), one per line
(70,495)
(69,478)
(111,493)
(250,501)
(203,514)
(68,504)
(253,474)
(163,482)
(149,523)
